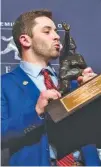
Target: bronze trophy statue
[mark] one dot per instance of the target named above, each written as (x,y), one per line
(71,63)
(75,117)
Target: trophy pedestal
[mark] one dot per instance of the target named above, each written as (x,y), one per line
(78,123)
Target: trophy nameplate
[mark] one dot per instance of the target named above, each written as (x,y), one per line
(85,93)
(60,108)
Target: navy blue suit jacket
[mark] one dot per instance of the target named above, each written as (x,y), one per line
(19,118)
(18,113)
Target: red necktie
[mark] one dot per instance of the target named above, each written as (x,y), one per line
(67,160)
(47,79)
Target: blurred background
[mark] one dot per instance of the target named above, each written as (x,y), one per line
(84,17)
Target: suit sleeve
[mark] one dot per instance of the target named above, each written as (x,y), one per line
(13,136)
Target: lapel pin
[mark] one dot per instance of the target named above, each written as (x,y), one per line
(25,83)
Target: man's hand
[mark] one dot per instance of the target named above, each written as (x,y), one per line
(86,75)
(44,98)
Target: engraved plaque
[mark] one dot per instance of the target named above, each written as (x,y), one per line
(82,95)
(61,108)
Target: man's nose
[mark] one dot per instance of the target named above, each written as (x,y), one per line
(56,36)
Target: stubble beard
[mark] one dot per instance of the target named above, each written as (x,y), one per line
(44,53)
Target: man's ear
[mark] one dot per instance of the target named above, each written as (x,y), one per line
(25,40)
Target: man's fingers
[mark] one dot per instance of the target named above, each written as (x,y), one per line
(80,79)
(87,70)
(92,75)
(53,94)
(44,98)
(41,105)
(85,78)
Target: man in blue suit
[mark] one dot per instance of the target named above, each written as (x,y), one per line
(24,95)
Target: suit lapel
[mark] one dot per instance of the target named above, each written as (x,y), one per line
(25,83)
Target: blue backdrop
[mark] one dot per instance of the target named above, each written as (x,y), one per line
(84,16)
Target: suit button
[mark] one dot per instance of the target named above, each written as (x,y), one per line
(33,126)
(28,129)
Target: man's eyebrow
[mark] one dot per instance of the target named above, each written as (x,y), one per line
(49,27)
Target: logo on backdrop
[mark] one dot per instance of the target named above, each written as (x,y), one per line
(9,52)
(10,47)
(9,25)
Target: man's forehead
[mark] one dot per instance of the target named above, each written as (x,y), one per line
(45,22)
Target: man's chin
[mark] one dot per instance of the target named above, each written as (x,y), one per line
(55,56)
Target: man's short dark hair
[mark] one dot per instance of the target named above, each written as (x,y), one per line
(24,24)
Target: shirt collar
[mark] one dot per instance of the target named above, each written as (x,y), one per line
(34,69)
